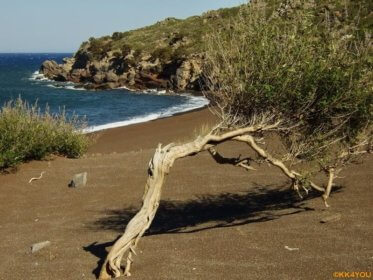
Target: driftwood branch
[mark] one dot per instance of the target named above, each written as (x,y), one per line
(36,178)
(159,167)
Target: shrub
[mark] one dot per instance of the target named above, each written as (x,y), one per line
(27,134)
(164,54)
(300,65)
(100,47)
(117,35)
(126,50)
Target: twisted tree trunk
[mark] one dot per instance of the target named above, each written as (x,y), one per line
(159,167)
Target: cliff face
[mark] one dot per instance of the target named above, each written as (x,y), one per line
(167,55)
(112,72)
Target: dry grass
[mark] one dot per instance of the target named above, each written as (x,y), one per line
(27,134)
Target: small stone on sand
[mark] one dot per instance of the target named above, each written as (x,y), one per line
(331,218)
(38,246)
(79,180)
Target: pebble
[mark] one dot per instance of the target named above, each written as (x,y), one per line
(79,180)
(38,246)
(331,218)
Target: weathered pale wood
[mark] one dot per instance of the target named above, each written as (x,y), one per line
(159,167)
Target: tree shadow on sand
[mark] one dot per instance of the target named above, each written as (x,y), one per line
(259,204)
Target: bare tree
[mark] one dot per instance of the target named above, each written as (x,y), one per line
(277,73)
(160,166)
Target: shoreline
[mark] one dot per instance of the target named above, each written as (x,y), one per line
(147,135)
(196,101)
(86,131)
(37,76)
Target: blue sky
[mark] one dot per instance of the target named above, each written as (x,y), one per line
(61,25)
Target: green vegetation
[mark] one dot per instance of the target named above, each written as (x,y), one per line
(192,32)
(27,134)
(161,36)
(298,70)
(306,64)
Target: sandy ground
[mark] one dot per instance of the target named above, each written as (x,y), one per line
(215,221)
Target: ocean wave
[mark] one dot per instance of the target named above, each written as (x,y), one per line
(37,76)
(152,91)
(141,119)
(65,86)
(193,103)
(124,87)
(157,92)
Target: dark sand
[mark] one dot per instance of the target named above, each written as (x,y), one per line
(215,221)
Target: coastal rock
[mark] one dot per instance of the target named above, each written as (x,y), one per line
(130,68)
(123,79)
(78,75)
(111,72)
(52,70)
(188,73)
(131,76)
(111,77)
(99,78)
(67,66)
(110,85)
(148,65)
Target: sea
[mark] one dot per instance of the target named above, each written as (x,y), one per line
(19,77)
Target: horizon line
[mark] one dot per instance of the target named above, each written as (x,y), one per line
(36,52)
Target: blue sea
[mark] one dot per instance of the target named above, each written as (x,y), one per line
(102,109)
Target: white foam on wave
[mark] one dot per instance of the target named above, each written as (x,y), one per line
(124,87)
(141,119)
(194,102)
(65,86)
(152,91)
(74,88)
(37,76)
(157,92)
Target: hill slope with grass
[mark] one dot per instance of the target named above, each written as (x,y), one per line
(166,55)
(170,54)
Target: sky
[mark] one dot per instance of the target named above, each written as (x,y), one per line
(61,26)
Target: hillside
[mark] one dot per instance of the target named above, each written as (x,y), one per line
(166,55)
(169,54)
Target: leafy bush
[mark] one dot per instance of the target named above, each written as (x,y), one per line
(117,35)
(100,47)
(299,64)
(164,54)
(26,134)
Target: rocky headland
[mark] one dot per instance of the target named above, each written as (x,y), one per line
(113,72)
(168,55)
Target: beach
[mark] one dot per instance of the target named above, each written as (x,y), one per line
(215,221)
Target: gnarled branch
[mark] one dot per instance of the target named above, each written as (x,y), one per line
(159,167)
